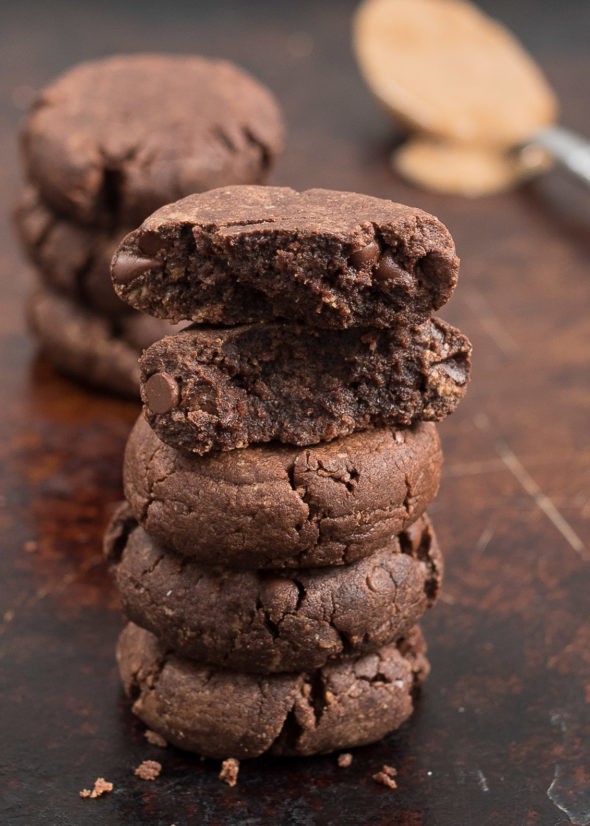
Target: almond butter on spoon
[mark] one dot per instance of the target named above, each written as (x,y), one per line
(463,83)
(465,169)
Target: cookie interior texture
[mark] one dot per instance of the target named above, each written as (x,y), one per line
(283,506)
(228,388)
(250,253)
(274,621)
(220,713)
(149,129)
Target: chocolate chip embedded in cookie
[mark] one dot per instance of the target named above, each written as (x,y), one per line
(271,621)
(282,506)
(250,253)
(258,383)
(220,713)
(112,140)
(90,347)
(163,393)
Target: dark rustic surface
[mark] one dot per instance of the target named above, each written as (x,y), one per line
(501,734)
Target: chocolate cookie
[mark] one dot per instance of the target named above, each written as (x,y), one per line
(270,621)
(112,140)
(272,506)
(330,259)
(90,347)
(72,259)
(220,389)
(220,713)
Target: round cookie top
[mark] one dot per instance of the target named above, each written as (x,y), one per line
(112,140)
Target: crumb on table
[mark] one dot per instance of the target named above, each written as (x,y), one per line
(344,759)
(148,770)
(154,738)
(101,786)
(386,777)
(229,771)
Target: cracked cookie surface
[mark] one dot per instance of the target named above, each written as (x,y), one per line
(329,259)
(274,621)
(281,506)
(220,713)
(113,139)
(221,389)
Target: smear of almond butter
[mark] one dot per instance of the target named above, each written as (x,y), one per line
(461,169)
(462,83)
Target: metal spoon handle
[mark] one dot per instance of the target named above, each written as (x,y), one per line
(570,150)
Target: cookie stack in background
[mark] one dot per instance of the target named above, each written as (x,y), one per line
(273,555)
(104,146)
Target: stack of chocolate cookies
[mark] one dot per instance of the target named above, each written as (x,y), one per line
(103,147)
(273,555)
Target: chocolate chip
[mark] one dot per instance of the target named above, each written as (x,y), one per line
(126,267)
(389,272)
(162,393)
(366,256)
(151,242)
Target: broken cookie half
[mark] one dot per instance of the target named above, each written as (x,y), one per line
(245,254)
(221,389)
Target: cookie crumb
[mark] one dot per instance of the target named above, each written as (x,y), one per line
(229,771)
(154,738)
(386,777)
(148,770)
(101,786)
(344,760)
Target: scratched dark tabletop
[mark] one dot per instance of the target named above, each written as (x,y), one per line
(501,732)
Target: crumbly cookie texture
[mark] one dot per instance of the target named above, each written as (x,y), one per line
(266,622)
(148,770)
(220,713)
(229,771)
(283,506)
(386,777)
(221,389)
(329,259)
(155,739)
(101,786)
